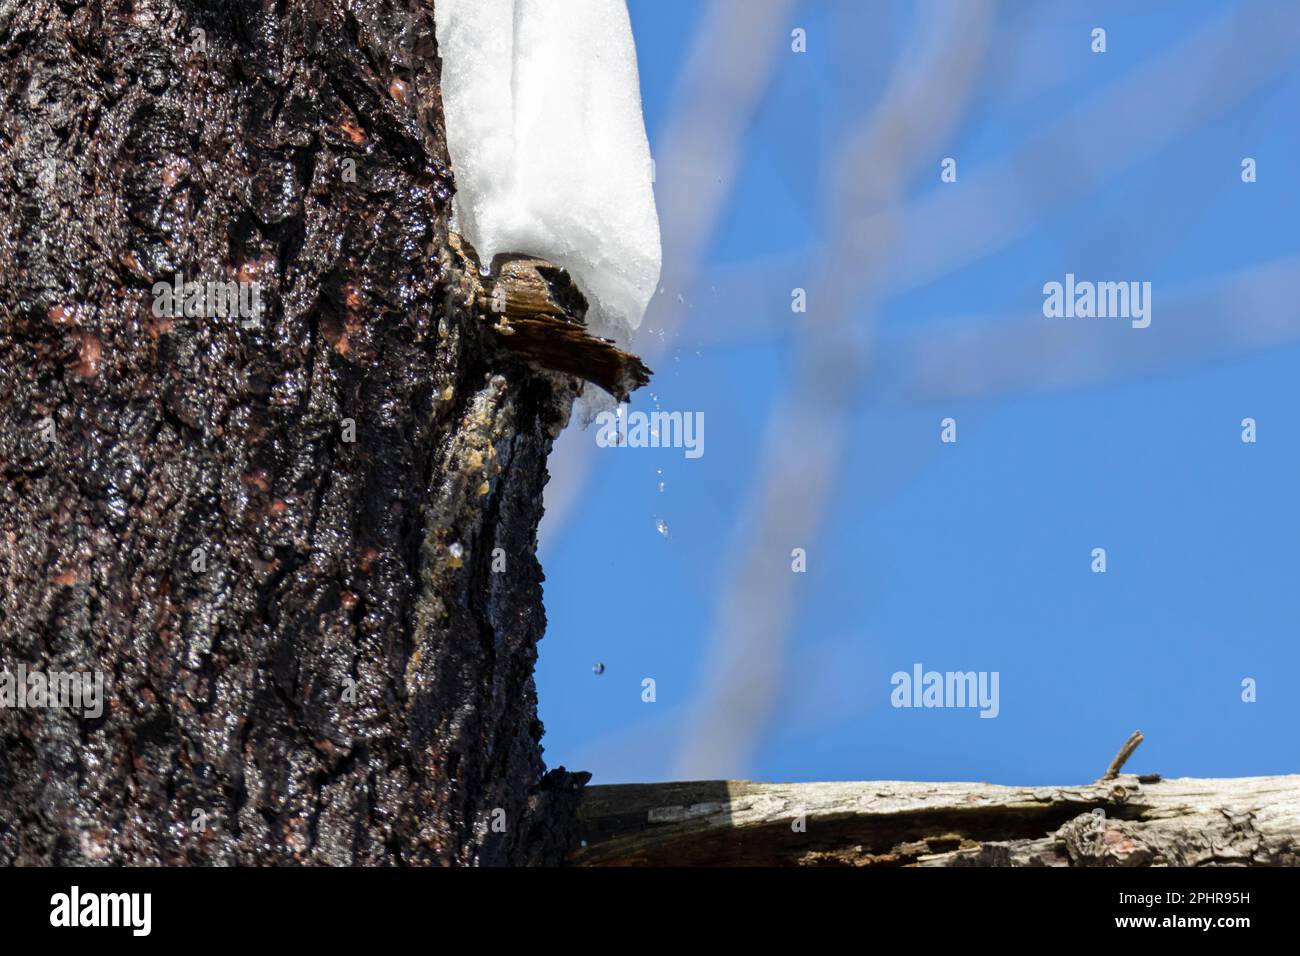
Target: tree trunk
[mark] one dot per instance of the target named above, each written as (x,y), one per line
(1126,821)
(300,547)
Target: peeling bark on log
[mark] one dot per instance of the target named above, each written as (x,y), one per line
(348,679)
(1247,821)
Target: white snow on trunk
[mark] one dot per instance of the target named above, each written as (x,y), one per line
(543,108)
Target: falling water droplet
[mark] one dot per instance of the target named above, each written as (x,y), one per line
(661,526)
(598,668)
(661,487)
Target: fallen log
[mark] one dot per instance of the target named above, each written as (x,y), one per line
(1124,821)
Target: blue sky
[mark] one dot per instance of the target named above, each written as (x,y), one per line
(974,555)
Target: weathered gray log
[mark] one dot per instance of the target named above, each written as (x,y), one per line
(1127,821)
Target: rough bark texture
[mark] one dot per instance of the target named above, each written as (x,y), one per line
(1128,821)
(348,677)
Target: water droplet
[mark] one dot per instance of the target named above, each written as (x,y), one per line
(456,550)
(661,487)
(661,526)
(598,668)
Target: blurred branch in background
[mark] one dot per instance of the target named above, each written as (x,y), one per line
(1150,108)
(1245,312)
(908,248)
(1002,202)
(934,76)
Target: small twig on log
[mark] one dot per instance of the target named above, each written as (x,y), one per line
(1121,758)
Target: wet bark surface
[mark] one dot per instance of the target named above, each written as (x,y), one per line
(300,548)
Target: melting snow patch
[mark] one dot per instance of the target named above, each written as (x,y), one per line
(543,108)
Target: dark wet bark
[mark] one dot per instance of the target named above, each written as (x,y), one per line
(316,649)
